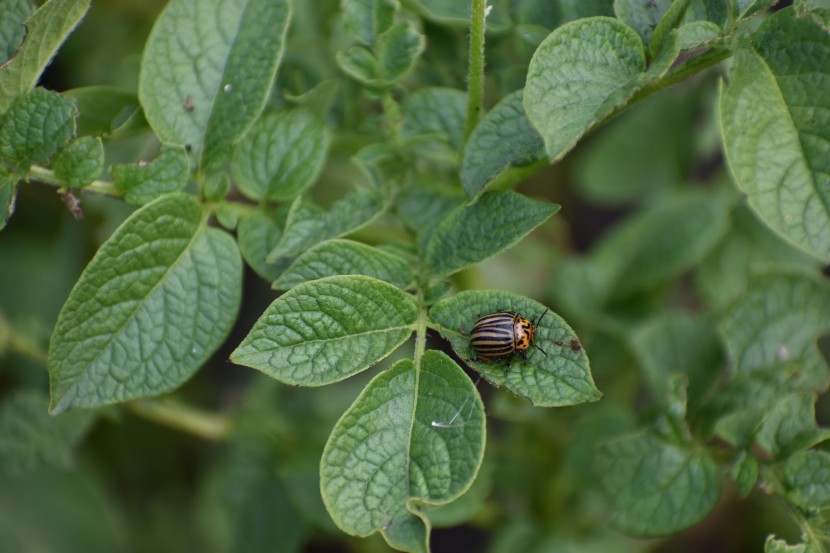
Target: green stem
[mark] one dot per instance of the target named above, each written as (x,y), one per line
(48,176)
(475,78)
(691,67)
(420,328)
(19,343)
(182,417)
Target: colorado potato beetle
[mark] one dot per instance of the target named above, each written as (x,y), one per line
(502,334)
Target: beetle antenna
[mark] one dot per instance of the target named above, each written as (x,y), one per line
(545,312)
(540,349)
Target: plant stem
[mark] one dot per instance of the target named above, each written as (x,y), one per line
(420,328)
(24,345)
(48,176)
(475,78)
(692,66)
(182,417)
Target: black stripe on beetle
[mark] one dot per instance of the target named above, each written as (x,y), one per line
(502,334)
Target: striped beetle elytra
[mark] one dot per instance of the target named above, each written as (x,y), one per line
(502,334)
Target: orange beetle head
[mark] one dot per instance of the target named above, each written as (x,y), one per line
(523,331)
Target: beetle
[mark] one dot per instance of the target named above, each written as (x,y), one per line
(503,334)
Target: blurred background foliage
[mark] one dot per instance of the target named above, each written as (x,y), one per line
(652,178)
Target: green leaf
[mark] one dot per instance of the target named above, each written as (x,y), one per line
(638,155)
(504,138)
(744,471)
(30,438)
(482,229)
(307,224)
(668,237)
(108,111)
(777,321)
(807,479)
(778,154)
(715,11)
(379,161)
(790,426)
(281,155)
(323,331)
(150,308)
(422,207)
(749,248)
(562,377)
(258,233)
(433,120)
(268,518)
(668,22)
(385,456)
(46,30)
(216,187)
(144,182)
(773,545)
(392,57)
(673,344)
(436,290)
(344,257)
(81,162)
(656,488)
(464,508)
(746,8)
(36,126)
(12,30)
(641,16)
(56,496)
(743,401)
(697,34)
(582,73)
(207,71)
(366,19)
